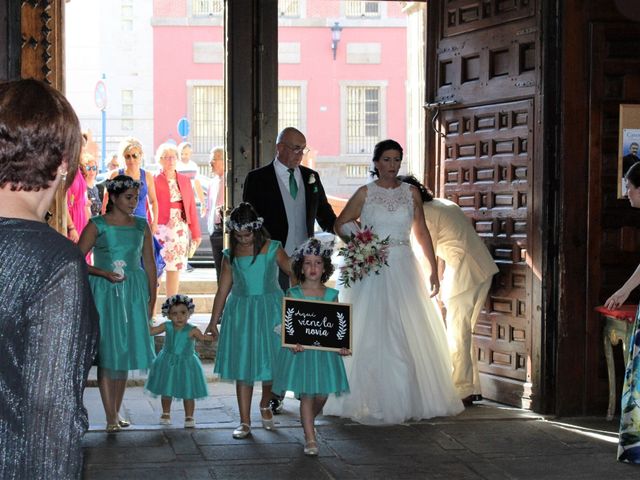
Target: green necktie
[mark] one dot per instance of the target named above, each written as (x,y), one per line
(293,185)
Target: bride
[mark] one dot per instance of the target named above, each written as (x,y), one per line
(400,368)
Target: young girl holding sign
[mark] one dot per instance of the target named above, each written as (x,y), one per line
(311,374)
(247,346)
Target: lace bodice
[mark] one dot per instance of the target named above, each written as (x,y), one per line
(389,211)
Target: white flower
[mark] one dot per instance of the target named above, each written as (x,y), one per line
(312,179)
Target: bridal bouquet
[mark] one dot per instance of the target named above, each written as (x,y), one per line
(364,253)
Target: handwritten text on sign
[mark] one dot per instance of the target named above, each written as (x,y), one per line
(316,324)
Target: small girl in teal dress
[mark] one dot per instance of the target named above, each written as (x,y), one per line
(177,372)
(124,291)
(311,374)
(249,285)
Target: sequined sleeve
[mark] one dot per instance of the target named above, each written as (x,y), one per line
(60,343)
(57,337)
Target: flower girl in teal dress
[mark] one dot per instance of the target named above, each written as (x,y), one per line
(177,372)
(311,374)
(249,285)
(124,291)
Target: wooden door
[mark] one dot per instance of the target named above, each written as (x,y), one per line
(41,57)
(486,69)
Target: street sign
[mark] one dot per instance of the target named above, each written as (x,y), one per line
(100,95)
(183,127)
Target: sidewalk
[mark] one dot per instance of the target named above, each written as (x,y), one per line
(488,441)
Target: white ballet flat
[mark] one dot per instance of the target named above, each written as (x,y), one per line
(242,431)
(311,448)
(267,423)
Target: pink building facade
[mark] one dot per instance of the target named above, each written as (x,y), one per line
(343,105)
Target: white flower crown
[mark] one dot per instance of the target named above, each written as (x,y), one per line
(176,299)
(122,184)
(255,225)
(321,247)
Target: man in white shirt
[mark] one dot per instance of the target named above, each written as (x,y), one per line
(215,205)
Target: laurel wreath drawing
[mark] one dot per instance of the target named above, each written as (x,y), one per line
(288,322)
(342,326)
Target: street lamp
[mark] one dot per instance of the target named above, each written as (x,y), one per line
(335,37)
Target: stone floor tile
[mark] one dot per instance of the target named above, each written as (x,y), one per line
(221,436)
(307,469)
(256,451)
(576,466)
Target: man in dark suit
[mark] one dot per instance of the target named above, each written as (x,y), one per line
(290,198)
(630,158)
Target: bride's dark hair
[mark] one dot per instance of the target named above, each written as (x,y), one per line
(379,149)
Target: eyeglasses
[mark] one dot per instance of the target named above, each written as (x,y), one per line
(135,156)
(297,150)
(91,168)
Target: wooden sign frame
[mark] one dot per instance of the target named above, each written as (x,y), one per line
(628,134)
(329,319)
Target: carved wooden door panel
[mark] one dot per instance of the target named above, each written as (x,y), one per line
(41,57)
(486,78)
(485,170)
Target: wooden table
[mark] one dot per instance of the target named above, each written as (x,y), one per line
(617,328)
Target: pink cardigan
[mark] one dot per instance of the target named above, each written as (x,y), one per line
(188,202)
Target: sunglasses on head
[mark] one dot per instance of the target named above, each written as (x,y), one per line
(135,156)
(89,168)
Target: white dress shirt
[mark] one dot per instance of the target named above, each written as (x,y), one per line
(282,171)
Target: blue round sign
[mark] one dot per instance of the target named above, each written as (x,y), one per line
(183,127)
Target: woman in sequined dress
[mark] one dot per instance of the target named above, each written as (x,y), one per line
(48,321)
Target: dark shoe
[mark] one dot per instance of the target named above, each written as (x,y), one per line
(189,267)
(468,401)
(276,405)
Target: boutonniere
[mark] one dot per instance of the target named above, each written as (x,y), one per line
(312,179)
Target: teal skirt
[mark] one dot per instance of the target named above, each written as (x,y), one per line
(125,343)
(310,373)
(247,347)
(177,376)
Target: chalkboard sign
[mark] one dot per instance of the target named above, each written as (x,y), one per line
(316,324)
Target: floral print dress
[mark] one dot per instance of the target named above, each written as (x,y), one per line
(174,235)
(629,443)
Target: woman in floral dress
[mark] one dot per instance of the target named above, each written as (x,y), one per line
(629,442)
(177,215)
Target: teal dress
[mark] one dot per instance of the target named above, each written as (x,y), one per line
(247,346)
(312,372)
(629,443)
(177,372)
(125,343)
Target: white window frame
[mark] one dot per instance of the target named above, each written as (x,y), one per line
(127,109)
(300,12)
(382,85)
(191,84)
(302,85)
(205,8)
(127,15)
(349,5)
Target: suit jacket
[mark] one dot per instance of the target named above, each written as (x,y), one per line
(468,261)
(188,202)
(262,191)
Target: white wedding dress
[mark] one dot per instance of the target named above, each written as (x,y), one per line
(400,368)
